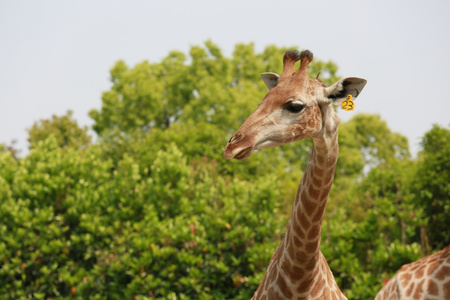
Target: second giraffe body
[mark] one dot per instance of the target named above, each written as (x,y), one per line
(298,107)
(425,279)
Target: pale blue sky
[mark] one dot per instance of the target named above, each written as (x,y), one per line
(56,55)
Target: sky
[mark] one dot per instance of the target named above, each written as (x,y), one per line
(55,56)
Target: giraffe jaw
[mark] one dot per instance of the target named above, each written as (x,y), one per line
(238,153)
(244,154)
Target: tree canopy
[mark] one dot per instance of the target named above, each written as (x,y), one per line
(152,210)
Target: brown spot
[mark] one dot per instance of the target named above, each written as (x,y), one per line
(291,250)
(419,273)
(314,193)
(311,123)
(405,278)
(443,272)
(311,90)
(319,173)
(317,290)
(319,214)
(327,181)
(271,293)
(300,232)
(304,223)
(302,193)
(294,273)
(311,247)
(272,276)
(309,206)
(318,181)
(410,289)
(320,159)
(432,267)
(301,256)
(318,176)
(419,290)
(310,265)
(297,242)
(446,288)
(283,287)
(413,267)
(314,232)
(304,285)
(433,289)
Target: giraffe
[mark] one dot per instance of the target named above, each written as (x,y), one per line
(295,108)
(427,278)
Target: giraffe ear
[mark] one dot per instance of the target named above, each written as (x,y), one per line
(270,79)
(339,91)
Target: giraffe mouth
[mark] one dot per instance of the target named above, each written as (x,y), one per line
(243,154)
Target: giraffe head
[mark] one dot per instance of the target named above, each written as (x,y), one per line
(295,108)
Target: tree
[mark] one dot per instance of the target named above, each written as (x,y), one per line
(431,185)
(64,128)
(11,148)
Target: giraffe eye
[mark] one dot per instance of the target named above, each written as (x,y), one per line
(294,107)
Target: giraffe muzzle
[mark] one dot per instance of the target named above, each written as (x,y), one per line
(237,152)
(243,154)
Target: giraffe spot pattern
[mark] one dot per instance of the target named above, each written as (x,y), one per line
(283,287)
(419,273)
(443,272)
(319,214)
(294,273)
(304,285)
(433,288)
(428,278)
(432,267)
(446,288)
(419,290)
(309,206)
(304,224)
(410,289)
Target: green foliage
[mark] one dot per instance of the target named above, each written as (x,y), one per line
(432,185)
(153,211)
(374,140)
(64,128)
(73,225)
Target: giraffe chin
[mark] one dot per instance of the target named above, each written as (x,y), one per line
(244,153)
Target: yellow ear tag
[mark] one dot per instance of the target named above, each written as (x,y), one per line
(348,104)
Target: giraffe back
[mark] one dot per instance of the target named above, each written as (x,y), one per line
(427,278)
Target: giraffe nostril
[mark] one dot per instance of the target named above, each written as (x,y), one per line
(236,138)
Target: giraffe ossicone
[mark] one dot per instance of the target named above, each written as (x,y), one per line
(298,107)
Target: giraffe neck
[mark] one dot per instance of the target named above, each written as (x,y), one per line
(302,240)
